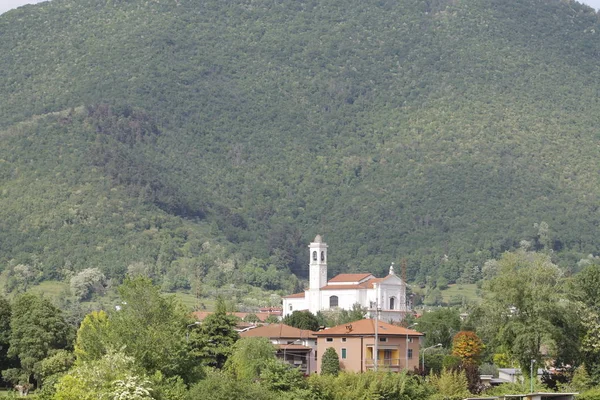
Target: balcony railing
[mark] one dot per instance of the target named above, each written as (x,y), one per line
(387,362)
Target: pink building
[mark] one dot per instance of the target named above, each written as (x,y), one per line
(395,349)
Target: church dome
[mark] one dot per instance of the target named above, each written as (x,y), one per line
(318,239)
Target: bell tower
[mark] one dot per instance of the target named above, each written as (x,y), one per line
(318,263)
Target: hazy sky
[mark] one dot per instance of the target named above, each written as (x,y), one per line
(6,5)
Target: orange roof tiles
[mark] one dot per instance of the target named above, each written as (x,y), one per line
(366,327)
(346,278)
(200,315)
(278,331)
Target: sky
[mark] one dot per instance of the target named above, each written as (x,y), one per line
(6,5)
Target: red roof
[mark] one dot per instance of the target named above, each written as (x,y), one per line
(366,327)
(200,315)
(278,331)
(348,278)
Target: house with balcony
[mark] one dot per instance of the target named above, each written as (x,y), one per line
(371,344)
(295,346)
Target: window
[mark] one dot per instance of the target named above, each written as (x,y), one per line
(343,339)
(343,354)
(383,339)
(392,301)
(314,255)
(333,301)
(410,340)
(290,307)
(322,256)
(315,355)
(409,353)
(330,339)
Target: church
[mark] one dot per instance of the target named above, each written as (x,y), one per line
(388,294)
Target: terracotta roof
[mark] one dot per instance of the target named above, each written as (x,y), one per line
(295,296)
(293,347)
(278,331)
(345,278)
(200,315)
(366,327)
(364,285)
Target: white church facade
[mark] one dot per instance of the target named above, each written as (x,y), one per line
(388,294)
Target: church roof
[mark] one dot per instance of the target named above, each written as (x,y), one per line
(346,278)
(366,327)
(278,331)
(318,239)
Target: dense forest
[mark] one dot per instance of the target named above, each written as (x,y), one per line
(211,141)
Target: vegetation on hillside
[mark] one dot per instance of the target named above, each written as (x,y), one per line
(209,142)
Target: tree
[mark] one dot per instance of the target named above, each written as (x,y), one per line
(467,346)
(281,376)
(522,306)
(5,317)
(302,320)
(87,282)
(148,326)
(92,337)
(439,326)
(330,363)
(114,373)
(450,385)
(249,357)
(584,292)
(37,328)
(216,336)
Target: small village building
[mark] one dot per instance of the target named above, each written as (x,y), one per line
(388,294)
(294,346)
(363,345)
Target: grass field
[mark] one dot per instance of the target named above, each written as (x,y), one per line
(456,292)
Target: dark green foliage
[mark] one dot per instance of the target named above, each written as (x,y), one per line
(37,328)
(330,362)
(439,326)
(221,386)
(412,129)
(302,320)
(216,336)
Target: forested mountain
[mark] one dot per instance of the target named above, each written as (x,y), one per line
(213,139)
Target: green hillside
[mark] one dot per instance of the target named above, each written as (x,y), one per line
(213,140)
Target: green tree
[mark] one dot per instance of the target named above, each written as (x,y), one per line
(584,292)
(522,305)
(151,328)
(92,337)
(37,328)
(450,385)
(439,326)
(98,379)
(281,376)
(216,336)
(330,363)
(5,317)
(249,357)
(302,320)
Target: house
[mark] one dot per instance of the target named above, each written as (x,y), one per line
(512,375)
(294,346)
(388,294)
(364,345)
